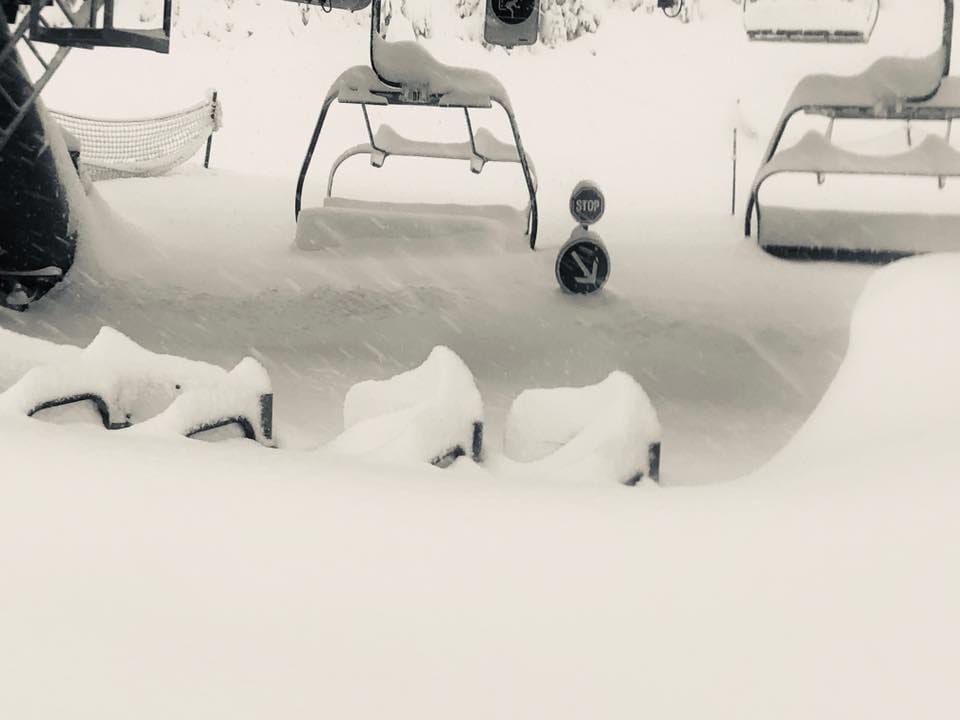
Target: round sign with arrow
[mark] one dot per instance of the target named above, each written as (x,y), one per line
(583,264)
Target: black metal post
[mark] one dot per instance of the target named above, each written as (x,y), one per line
(213,116)
(947,35)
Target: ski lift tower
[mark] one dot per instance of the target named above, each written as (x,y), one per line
(37,235)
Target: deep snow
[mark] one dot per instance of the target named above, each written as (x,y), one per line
(163,577)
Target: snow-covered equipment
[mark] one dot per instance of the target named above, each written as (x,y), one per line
(899,89)
(143,147)
(839,21)
(512,22)
(158,394)
(599,433)
(37,231)
(91,24)
(432,414)
(405,74)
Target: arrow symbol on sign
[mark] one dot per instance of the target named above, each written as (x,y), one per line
(589,276)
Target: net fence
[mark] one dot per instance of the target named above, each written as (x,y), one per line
(141,147)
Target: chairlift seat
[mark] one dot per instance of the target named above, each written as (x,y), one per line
(417,80)
(817,154)
(836,21)
(483,148)
(890,89)
(346,228)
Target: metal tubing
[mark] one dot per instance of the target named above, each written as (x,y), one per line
(533,214)
(309,156)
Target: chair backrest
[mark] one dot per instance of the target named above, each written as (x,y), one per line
(832,21)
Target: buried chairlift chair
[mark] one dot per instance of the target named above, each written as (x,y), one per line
(404,74)
(907,89)
(839,21)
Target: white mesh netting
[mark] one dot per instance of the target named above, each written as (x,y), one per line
(141,147)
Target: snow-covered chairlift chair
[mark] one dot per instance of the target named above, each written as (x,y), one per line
(405,74)
(151,394)
(838,21)
(910,89)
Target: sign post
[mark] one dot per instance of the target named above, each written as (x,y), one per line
(583,263)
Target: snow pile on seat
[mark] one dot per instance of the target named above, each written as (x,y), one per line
(803,15)
(130,384)
(887,83)
(432,413)
(900,379)
(358,84)
(345,227)
(608,432)
(243,397)
(410,65)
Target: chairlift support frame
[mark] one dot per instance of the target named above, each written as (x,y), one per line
(85,32)
(862,97)
(384,92)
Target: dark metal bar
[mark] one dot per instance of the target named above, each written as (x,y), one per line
(37,89)
(375,28)
(108,14)
(533,216)
(310,150)
(947,35)
(6,96)
(11,45)
(206,156)
(473,141)
(366,122)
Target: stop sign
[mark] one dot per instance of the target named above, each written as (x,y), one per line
(587,203)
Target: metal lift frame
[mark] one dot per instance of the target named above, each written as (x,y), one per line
(393,94)
(918,107)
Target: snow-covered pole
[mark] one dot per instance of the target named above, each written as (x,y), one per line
(733,190)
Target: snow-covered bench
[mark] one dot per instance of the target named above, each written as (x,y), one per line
(432,414)
(160,394)
(608,432)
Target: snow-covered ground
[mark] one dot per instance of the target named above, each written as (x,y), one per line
(161,577)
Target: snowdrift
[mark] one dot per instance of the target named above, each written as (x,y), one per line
(608,432)
(129,385)
(899,382)
(432,413)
